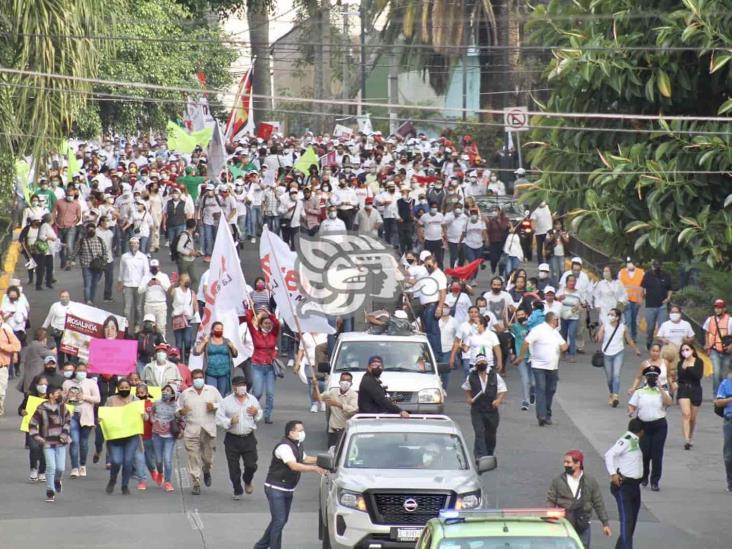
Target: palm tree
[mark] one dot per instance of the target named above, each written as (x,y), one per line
(45,37)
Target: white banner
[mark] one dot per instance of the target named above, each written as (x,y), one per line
(278,264)
(83,323)
(342,131)
(225,292)
(364,125)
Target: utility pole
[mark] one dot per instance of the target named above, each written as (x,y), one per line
(344,71)
(393,87)
(362,41)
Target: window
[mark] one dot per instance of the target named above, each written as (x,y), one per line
(406,451)
(398,356)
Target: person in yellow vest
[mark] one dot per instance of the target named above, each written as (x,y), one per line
(631,277)
(717,329)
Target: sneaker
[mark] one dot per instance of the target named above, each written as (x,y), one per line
(33,477)
(524,406)
(249,488)
(253,241)
(95,457)
(141,485)
(532,399)
(58,486)
(314,408)
(82,471)
(41,477)
(74,473)
(236,497)
(168,487)
(268,420)
(125,491)
(50,496)
(654,487)
(196,491)
(615,401)
(687,446)
(157,478)
(207,478)
(110,487)
(322,406)
(548,421)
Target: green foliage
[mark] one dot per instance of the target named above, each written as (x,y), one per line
(162,62)
(636,187)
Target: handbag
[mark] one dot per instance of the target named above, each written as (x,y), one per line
(598,357)
(576,514)
(719,410)
(726,340)
(279,367)
(97,263)
(180,322)
(177,427)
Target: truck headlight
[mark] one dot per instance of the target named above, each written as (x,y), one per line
(430,396)
(353,500)
(471,500)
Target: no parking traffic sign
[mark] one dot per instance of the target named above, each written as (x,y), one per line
(516,119)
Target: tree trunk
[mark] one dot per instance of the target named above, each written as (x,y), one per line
(258,21)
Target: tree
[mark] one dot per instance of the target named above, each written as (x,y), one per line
(656,188)
(43,36)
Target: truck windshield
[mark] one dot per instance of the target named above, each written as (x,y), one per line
(398,356)
(406,451)
(508,543)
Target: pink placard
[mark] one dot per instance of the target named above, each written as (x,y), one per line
(112,356)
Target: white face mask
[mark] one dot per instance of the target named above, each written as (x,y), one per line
(344,385)
(675,317)
(543,274)
(241,390)
(161,357)
(458,211)
(301,437)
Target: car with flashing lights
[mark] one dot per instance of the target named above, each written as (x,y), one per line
(499,529)
(411,374)
(388,476)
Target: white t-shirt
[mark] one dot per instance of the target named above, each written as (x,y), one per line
(432,225)
(483,344)
(455,226)
(544,345)
(461,309)
(542,218)
(474,234)
(463,333)
(429,287)
(448,327)
(617,343)
(675,331)
(500,384)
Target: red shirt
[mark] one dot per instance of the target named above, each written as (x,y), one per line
(147,433)
(265,345)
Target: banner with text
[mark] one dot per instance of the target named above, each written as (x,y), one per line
(84,323)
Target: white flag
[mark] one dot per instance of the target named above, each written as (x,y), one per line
(216,153)
(364,125)
(225,292)
(278,264)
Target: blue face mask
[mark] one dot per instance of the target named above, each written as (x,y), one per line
(198,383)
(81,376)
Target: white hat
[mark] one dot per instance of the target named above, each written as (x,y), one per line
(400,314)
(149,317)
(520,171)
(424,254)
(542,267)
(548,289)
(154,263)
(577,260)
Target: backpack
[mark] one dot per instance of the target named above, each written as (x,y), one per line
(174,255)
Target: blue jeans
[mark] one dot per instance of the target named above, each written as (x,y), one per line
(144,459)
(613,364)
(241,225)
(527,381)
(184,341)
(273,223)
(79,442)
(173,231)
(91,280)
(569,333)
(630,315)
(68,239)
(721,364)
(455,249)
(279,509)
(263,383)
(654,316)
(164,448)
(585,537)
(512,263)
(208,237)
(545,386)
(471,254)
(727,449)
(431,327)
(254,221)
(222,383)
(55,457)
(390,231)
(123,452)
(556,264)
(144,244)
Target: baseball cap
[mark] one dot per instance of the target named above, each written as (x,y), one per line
(369,200)
(149,317)
(577,260)
(154,263)
(375,358)
(424,254)
(480,359)
(49,359)
(161,346)
(720,303)
(544,267)
(549,289)
(210,187)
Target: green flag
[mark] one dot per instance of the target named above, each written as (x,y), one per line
(192,183)
(306,160)
(73,164)
(181,141)
(22,172)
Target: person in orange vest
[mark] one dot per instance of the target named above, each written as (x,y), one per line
(717,331)
(631,277)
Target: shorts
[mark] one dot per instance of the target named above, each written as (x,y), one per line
(692,392)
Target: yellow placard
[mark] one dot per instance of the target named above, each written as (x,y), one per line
(31,406)
(121,421)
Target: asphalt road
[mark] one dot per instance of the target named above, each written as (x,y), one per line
(85,517)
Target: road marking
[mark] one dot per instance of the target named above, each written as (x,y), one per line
(185,478)
(195,520)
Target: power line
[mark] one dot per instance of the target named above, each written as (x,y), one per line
(157,87)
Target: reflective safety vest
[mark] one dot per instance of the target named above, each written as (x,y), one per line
(632,283)
(714,339)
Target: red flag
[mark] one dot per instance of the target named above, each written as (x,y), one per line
(466,272)
(426,179)
(328,159)
(239,114)
(265,130)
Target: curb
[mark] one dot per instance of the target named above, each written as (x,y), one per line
(11,261)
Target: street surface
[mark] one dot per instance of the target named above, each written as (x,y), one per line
(691,510)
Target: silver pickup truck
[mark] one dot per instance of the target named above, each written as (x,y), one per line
(389,475)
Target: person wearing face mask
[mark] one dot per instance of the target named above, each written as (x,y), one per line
(541,224)
(289,460)
(198,404)
(342,401)
(184,308)
(66,216)
(133,267)
(485,391)
(612,335)
(454,225)
(50,426)
(368,221)
(496,186)
(631,277)
(238,416)
(82,419)
(270,210)
(372,398)
(311,211)
(9,347)
(39,389)
(656,285)
(675,331)
(145,453)
(255,195)
(218,362)
(209,211)
(332,224)
(93,257)
(649,404)
(608,294)
(499,301)
(519,330)
(160,371)
(163,416)
(717,342)
(689,373)
(579,494)
(386,201)
(32,359)
(264,335)
(174,216)
(148,338)
(474,237)
(106,234)
(153,292)
(434,239)
(121,450)
(240,196)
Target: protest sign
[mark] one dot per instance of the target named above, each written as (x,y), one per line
(31,405)
(112,356)
(84,323)
(121,421)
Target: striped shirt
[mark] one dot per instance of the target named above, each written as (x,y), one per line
(49,422)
